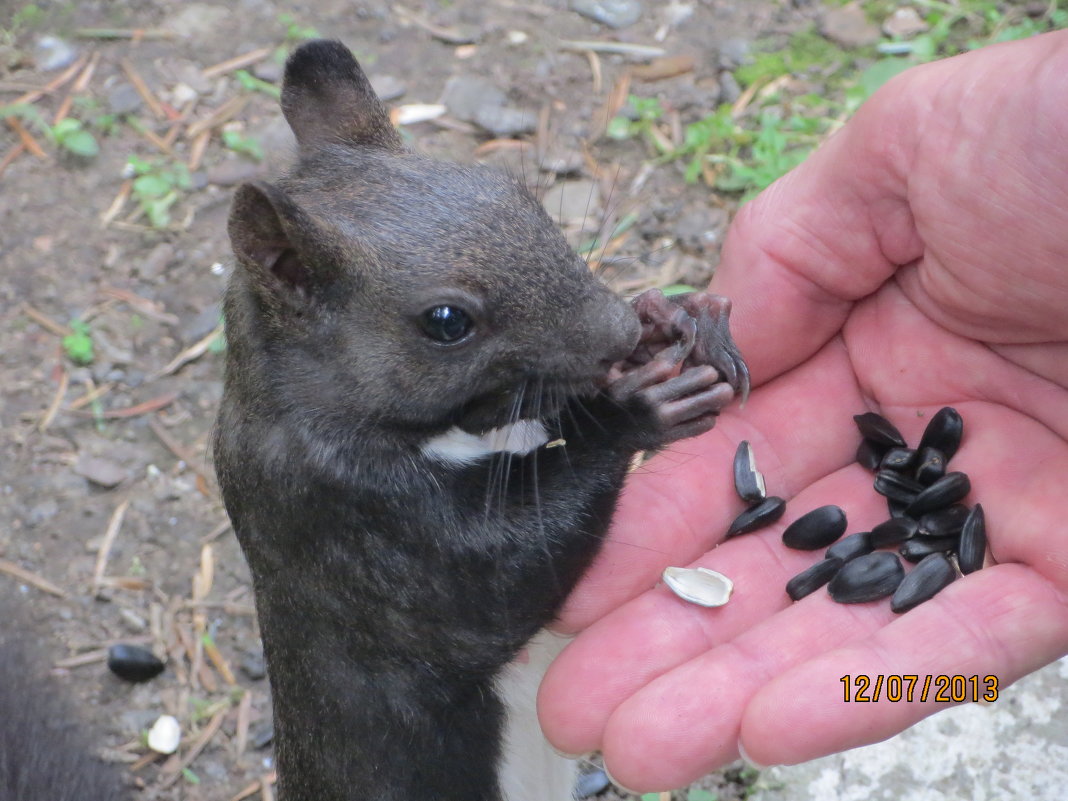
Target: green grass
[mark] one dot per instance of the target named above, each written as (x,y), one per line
(741,152)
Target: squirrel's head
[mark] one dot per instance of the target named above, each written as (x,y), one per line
(378,285)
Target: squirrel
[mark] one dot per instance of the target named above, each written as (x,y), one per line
(430,406)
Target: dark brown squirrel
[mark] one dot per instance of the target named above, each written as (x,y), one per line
(430,406)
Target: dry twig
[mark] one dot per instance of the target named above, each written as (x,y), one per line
(112,531)
(31,578)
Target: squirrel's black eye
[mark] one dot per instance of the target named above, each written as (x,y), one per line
(445,323)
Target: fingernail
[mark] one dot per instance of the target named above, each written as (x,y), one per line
(749,760)
(622,787)
(566,755)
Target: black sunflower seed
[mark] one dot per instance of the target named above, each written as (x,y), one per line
(879,430)
(918,547)
(748,481)
(943,432)
(762,514)
(133,663)
(897,487)
(972,548)
(869,454)
(808,581)
(850,547)
(893,532)
(949,489)
(926,579)
(898,459)
(816,529)
(867,578)
(945,522)
(932,466)
(896,508)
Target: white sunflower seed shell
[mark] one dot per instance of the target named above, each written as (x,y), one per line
(699,585)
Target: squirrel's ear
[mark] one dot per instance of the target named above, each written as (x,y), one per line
(281,245)
(327,99)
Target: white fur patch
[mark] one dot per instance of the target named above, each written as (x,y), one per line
(530,769)
(460,447)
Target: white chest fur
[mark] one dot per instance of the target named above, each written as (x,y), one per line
(460,447)
(530,769)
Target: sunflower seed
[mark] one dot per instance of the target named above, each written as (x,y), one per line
(893,532)
(699,585)
(918,547)
(808,581)
(816,529)
(972,549)
(165,734)
(878,429)
(949,489)
(897,487)
(133,663)
(945,522)
(867,578)
(944,432)
(898,459)
(869,454)
(748,481)
(926,579)
(851,547)
(763,514)
(932,466)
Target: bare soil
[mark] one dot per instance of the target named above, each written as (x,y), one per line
(73,245)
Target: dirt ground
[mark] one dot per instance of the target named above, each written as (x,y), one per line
(107,496)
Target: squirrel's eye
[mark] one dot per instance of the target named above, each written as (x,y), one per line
(445,323)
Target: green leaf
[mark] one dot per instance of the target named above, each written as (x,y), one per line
(81,143)
(79,344)
(151,185)
(189,776)
(677,289)
(619,128)
(701,795)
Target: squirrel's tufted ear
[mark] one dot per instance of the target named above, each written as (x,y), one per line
(327,99)
(286,251)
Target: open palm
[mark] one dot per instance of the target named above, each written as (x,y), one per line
(919,259)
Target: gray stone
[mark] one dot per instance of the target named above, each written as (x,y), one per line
(1011,749)
(734,53)
(904,23)
(268,70)
(570,202)
(465,95)
(196,19)
(201,325)
(729,90)
(254,666)
(124,99)
(100,471)
(158,259)
(53,53)
(613,13)
(506,120)
(388,87)
(849,27)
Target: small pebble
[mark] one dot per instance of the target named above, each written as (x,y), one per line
(613,13)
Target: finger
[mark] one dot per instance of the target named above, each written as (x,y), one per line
(681,502)
(1003,622)
(656,632)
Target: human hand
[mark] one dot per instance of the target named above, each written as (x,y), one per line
(918,259)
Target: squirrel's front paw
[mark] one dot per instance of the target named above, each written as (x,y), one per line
(685,368)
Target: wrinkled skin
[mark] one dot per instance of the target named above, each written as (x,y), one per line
(918,259)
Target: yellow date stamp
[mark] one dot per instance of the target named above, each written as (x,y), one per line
(865,689)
